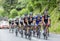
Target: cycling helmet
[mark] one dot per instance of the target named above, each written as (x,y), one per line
(38,15)
(31,13)
(26,15)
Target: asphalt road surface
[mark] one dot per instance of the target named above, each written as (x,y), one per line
(6,36)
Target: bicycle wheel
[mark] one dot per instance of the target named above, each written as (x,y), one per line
(16,32)
(22,33)
(46,34)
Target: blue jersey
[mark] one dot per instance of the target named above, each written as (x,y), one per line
(38,20)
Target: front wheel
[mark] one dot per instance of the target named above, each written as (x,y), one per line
(45,35)
(16,32)
(38,35)
(34,33)
(21,33)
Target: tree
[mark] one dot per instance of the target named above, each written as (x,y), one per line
(23,11)
(13,13)
(2,2)
(2,12)
(9,5)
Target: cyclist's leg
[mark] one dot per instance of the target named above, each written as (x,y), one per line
(30,33)
(25,31)
(48,29)
(44,27)
(16,30)
(9,28)
(46,32)
(34,31)
(21,31)
(12,29)
(38,31)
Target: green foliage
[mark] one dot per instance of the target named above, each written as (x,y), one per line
(2,2)
(9,5)
(23,11)
(30,7)
(3,13)
(38,5)
(13,13)
(55,26)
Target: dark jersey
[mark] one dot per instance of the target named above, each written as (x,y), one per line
(9,22)
(25,20)
(12,22)
(17,22)
(21,22)
(46,19)
(30,20)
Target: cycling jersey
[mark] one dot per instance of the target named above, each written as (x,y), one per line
(21,22)
(12,22)
(17,22)
(25,20)
(9,22)
(38,20)
(46,19)
(30,20)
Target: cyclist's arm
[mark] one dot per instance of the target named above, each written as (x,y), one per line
(43,20)
(27,22)
(41,23)
(19,23)
(23,23)
(49,21)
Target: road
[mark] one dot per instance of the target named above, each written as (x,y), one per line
(6,36)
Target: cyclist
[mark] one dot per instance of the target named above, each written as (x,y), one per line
(34,26)
(30,21)
(12,26)
(38,19)
(46,23)
(25,23)
(21,26)
(17,26)
(30,18)
(38,22)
